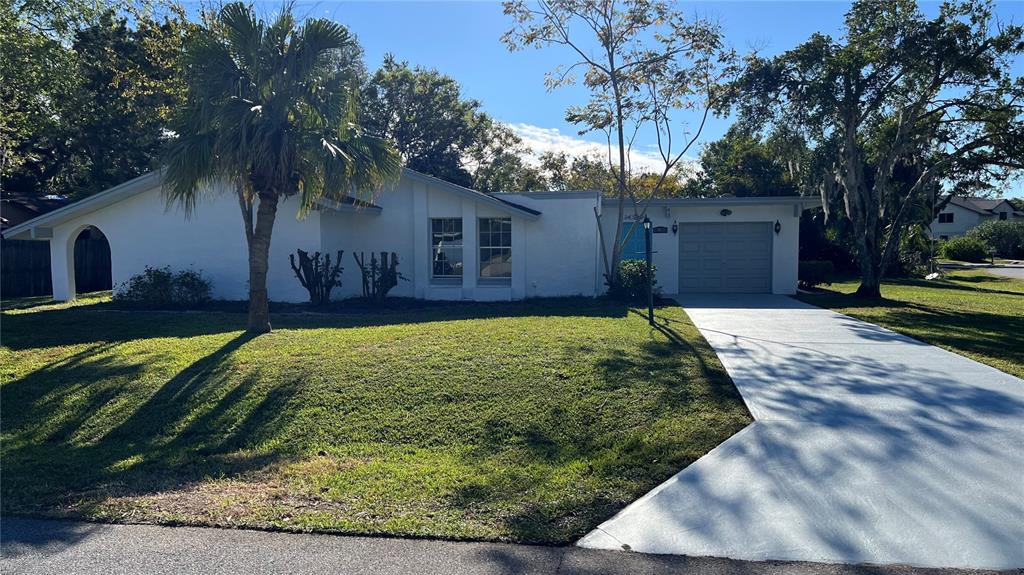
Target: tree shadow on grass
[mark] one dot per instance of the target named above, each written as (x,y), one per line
(200,423)
(214,418)
(652,410)
(90,324)
(993,335)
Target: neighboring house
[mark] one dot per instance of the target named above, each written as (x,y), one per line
(18,208)
(453,243)
(963,213)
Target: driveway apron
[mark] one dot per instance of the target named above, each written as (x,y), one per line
(867,447)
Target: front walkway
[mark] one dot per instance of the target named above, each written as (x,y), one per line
(868,446)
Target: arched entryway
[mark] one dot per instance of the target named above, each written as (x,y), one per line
(92,261)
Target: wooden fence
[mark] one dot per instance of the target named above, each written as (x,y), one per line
(25,267)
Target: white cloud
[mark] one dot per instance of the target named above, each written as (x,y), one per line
(542,140)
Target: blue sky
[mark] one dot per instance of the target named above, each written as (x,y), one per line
(461,39)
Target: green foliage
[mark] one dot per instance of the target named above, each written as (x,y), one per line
(517,421)
(267,109)
(439,132)
(826,240)
(965,249)
(1007,237)
(160,288)
(814,273)
(500,164)
(914,254)
(651,62)
(741,164)
(87,92)
(896,109)
(422,111)
(969,312)
(632,284)
(563,173)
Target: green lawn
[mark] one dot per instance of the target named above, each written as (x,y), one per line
(525,422)
(970,312)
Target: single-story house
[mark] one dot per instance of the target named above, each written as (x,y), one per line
(963,213)
(452,243)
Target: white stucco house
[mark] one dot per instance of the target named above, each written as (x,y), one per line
(963,213)
(453,243)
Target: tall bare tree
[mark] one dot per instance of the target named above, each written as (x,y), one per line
(643,62)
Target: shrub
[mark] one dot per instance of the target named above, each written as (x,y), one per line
(160,288)
(912,255)
(965,249)
(317,274)
(1007,237)
(815,273)
(379,276)
(633,281)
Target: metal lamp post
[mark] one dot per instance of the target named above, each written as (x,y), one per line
(650,276)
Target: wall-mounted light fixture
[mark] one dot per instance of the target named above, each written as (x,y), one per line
(726,212)
(675,228)
(778,227)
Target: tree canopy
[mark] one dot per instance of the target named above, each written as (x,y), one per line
(86,93)
(744,164)
(902,107)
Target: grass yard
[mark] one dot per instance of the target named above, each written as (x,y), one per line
(970,312)
(527,422)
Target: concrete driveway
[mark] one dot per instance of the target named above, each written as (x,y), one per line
(868,446)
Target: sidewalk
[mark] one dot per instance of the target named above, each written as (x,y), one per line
(47,546)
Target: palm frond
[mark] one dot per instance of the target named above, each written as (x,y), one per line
(265,110)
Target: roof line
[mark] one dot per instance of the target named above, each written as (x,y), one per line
(143,182)
(95,201)
(500,203)
(809,201)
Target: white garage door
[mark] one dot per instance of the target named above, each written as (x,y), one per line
(733,257)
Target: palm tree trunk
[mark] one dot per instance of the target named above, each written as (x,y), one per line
(259,263)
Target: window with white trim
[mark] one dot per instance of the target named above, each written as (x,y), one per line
(946,218)
(446,248)
(495,248)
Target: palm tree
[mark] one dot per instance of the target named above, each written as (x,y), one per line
(271,112)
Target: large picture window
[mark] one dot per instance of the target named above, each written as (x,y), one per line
(495,247)
(446,247)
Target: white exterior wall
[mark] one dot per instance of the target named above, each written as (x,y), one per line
(143,231)
(552,255)
(785,244)
(963,220)
(555,254)
(561,247)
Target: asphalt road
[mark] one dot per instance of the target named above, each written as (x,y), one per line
(48,546)
(1015,272)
